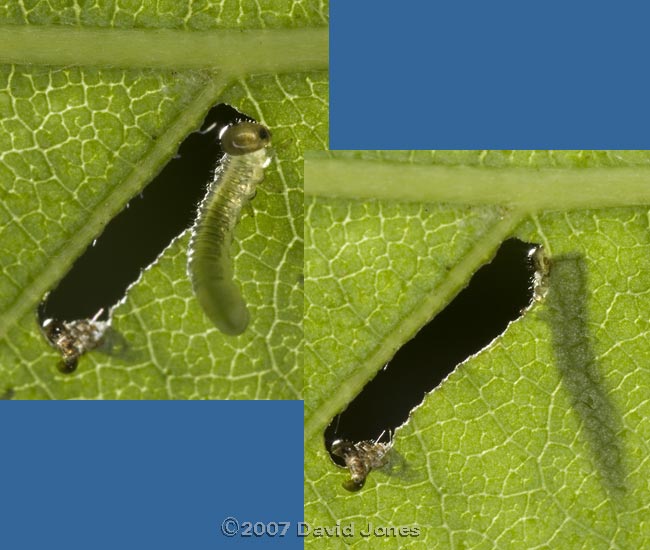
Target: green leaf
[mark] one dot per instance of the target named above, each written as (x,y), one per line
(540,439)
(93,102)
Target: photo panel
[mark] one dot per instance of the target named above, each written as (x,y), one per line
(151,178)
(475,347)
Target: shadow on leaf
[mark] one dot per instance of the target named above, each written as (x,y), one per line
(568,316)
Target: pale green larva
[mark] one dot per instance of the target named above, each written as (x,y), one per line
(245,146)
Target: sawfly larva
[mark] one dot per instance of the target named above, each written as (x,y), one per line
(542,263)
(361,458)
(245,146)
(74,338)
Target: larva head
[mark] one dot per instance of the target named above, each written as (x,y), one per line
(244,137)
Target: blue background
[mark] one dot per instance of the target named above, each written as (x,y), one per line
(136,475)
(497,75)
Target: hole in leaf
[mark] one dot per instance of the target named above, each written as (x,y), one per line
(137,235)
(73,317)
(496,295)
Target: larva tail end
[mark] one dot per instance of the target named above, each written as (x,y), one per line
(224,305)
(234,324)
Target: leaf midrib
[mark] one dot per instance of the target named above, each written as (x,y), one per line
(234,52)
(532,189)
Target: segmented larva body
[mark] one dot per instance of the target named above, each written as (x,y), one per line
(361,458)
(245,145)
(72,339)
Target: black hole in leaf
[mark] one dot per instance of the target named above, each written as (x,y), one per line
(495,296)
(137,236)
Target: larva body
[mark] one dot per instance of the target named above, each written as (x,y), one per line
(361,458)
(72,339)
(210,264)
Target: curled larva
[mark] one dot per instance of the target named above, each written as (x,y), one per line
(210,265)
(74,338)
(361,458)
